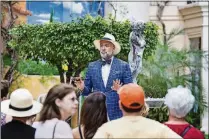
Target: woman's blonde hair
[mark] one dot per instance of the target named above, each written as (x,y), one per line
(144,110)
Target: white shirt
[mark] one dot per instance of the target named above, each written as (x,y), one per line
(45,130)
(106,71)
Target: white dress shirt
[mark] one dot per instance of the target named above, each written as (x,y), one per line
(106,71)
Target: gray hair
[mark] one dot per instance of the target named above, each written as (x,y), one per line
(179,101)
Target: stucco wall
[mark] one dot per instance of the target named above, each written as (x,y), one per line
(172,19)
(35,84)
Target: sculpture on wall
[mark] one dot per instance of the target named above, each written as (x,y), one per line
(137,44)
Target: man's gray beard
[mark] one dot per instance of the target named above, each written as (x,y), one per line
(107,56)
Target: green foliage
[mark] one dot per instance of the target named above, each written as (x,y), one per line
(206,136)
(30,67)
(7,60)
(159,114)
(72,43)
(151,37)
(169,68)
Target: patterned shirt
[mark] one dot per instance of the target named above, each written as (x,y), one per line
(3,119)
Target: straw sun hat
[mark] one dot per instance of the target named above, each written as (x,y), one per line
(21,104)
(110,38)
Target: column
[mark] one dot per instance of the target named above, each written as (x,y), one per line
(204,118)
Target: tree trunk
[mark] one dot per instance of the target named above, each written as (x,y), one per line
(161,6)
(10,73)
(114,9)
(164,34)
(61,73)
(6,37)
(79,69)
(69,73)
(1,62)
(77,73)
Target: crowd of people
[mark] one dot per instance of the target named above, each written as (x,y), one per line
(31,119)
(114,107)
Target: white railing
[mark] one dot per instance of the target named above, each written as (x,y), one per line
(154,102)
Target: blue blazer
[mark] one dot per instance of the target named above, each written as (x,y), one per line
(94,82)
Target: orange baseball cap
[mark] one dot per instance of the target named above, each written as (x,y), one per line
(131,96)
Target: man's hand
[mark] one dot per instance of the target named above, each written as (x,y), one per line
(116,85)
(79,83)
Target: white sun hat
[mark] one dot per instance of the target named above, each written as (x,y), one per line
(21,104)
(110,38)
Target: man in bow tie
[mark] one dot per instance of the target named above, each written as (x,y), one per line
(107,75)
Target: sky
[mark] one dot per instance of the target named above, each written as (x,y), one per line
(63,11)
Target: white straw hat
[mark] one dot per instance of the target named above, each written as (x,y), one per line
(110,38)
(21,104)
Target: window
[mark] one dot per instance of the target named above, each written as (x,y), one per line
(195,43)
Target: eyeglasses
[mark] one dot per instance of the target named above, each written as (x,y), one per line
(74,99)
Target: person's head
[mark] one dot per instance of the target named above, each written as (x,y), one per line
(93,113)
(132,99)
(107,46)
(4,89)
(60,102)
(179,101)
(106,49)
(21,105)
